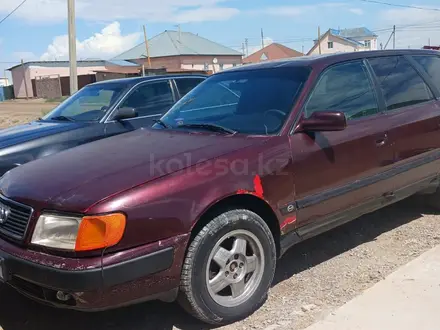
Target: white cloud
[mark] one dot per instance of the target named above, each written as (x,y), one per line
(25,56)
(105,44)
(206,14)
(414,27)
(170,11)
(356,11)
(294,11)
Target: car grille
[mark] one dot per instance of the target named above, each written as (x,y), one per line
(14,218)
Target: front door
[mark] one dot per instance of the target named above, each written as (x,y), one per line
(333,170)
(150,100)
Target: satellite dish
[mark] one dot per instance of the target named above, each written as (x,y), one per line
(215,60)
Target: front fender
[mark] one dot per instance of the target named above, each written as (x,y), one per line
(171,205)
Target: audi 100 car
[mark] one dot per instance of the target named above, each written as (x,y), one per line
(200,206)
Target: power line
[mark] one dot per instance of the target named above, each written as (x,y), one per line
(400,5)
(15,9)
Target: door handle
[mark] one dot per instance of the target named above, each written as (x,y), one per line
(382,141)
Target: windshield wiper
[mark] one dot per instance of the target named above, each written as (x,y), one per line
(161,123)
(62,118)
(211,127)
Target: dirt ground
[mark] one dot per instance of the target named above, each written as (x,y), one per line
(21,111)
(312,279)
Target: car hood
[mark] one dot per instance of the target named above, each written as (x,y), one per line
(75,179)
(23,133)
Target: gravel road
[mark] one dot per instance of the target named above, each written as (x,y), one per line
(312,279)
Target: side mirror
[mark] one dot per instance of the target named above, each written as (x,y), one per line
(321,121)
(125,113)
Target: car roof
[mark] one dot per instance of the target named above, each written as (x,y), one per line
(135,80)
(314,60)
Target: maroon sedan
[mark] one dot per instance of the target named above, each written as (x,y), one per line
(199,207)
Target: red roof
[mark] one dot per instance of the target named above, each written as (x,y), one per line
(272,52)
(432,47)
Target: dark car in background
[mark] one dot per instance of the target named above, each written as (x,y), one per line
(200,206)
(96,111)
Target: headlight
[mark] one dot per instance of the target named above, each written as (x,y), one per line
(79,233)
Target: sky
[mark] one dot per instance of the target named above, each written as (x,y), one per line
(105,28)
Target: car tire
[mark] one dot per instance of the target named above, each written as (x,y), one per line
(229,268)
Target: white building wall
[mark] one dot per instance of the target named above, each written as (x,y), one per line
(212,67)
(339,46)
(38,71)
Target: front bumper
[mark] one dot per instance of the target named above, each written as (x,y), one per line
(101,283)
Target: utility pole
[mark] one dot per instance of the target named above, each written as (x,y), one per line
(147,47)
(242,46)
(429,42)
(394,37)
(180,32)
(319,39)
(262,38)
(246,41)
(72,46)
(389,39)
(24,79)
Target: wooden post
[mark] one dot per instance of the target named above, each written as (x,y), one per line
(147,47)
(319,39)
(24,79)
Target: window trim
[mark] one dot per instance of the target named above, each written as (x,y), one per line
(411,64)
(109,117)
(330,43)
(371,79)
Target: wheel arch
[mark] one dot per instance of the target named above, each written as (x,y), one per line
(241,201)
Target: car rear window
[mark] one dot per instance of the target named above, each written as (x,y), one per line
(431,64)
(249,101)
(185,85)
(400,83)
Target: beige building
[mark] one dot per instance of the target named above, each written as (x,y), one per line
(183,51)
(346,40)
(25,76)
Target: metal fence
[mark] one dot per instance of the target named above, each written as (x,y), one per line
(48,87)
(6,93)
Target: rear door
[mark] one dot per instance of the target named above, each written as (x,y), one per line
(413,113)
(334,171)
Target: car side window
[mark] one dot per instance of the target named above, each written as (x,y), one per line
(185,85)
(400,83)
(150,99)
(431,64)
(345,87)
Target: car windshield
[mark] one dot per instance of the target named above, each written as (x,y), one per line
(256,102)
(91,103)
